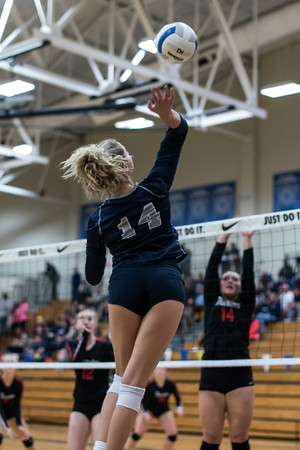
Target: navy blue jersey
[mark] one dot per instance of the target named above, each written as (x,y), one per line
(136,227)
(10,400)
(226,323)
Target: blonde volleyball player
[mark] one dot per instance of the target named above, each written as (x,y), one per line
(11,389)
(91,385)
(146,293)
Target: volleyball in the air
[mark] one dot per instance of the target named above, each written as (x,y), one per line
(176,42)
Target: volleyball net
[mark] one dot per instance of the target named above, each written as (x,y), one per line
(276,244)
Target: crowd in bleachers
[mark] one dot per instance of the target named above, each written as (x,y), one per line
(48,338)
(277,299)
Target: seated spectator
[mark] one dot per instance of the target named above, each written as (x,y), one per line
(97,297)
(37,350)
(294,308)
(269,311)
(61,332)
(20,342)
(297,268)
(287,298)
(5,312)
(103,311)
(286,272)
(261,294)
(187,320)
(84,291)
(20,314)
(266,280)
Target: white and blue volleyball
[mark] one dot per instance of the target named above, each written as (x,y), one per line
(176,42)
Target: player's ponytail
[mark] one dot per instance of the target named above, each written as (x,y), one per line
(99,168)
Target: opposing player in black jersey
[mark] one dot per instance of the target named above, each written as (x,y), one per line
(146,293)
(91,384)
(11,390)
(229,304)
(155,404)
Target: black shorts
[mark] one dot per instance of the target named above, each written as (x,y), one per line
(225,379)
(158,411)
(11,413)
(140,287)
(89,410)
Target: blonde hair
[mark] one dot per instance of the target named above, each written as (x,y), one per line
(99,168)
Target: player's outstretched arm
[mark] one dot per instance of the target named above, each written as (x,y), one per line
(162,104)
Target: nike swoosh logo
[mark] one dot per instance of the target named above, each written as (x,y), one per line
(227,227)
(61,249)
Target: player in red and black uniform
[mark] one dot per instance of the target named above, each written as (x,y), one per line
(156,404)
(11,389)
(229,304)
(91,384)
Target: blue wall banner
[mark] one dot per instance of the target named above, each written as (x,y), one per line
(203,203)
(286,191)
(86,211)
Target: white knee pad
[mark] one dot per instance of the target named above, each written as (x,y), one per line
(115,385)
(130,397)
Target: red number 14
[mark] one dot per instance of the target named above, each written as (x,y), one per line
(227,316)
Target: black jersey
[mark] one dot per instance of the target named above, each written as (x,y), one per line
(226,323)
(157,397)
(10,400)
(136,226)
(90,383)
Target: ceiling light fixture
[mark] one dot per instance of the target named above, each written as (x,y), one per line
(138,57)
(23,149)
(218,116)
(281,90)
(148,45)
(15,87)
(135,124)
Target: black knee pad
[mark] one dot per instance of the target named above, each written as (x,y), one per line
(1,438)
(240,445)
(29,442)
(135,437)
(207,446)
(172,437)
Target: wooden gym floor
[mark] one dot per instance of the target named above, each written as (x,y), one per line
(49,436)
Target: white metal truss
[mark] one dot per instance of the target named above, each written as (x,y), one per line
(57,24)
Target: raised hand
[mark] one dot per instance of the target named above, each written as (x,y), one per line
(162,104)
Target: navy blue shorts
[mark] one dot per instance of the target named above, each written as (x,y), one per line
(225,379)
(140,287)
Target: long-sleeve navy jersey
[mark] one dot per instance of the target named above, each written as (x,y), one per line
(90,383)
(136,227)
(10,400)
(226,323)
(158,396)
